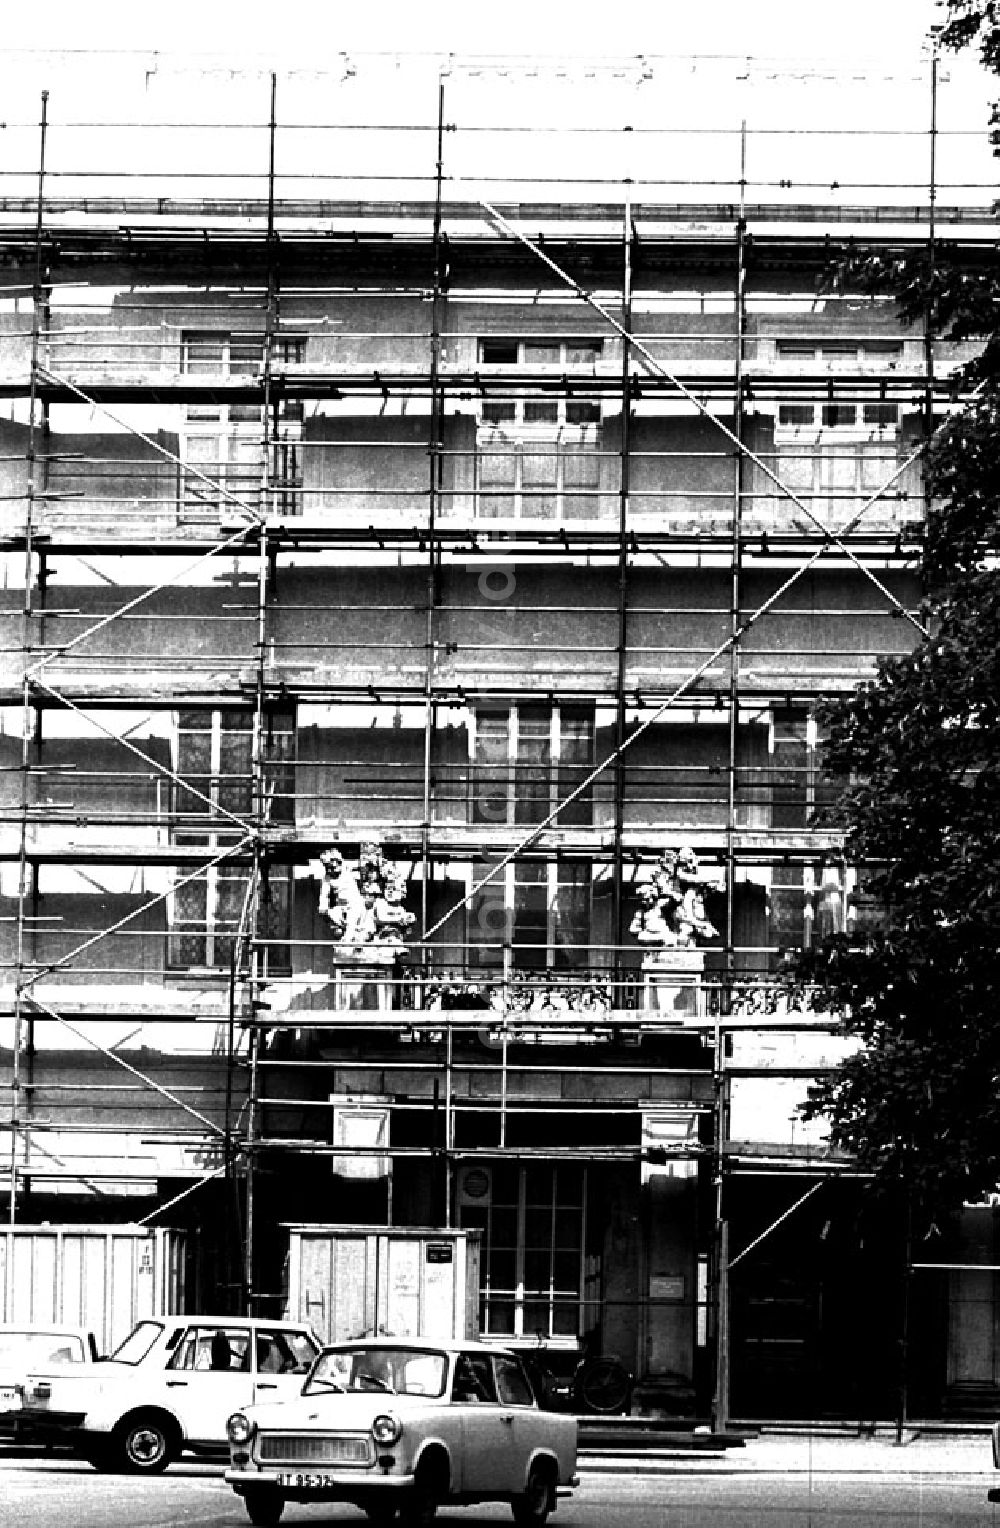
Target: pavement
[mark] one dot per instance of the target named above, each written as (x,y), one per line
(918,1452)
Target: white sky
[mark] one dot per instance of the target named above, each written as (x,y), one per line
(845,69)
(843,29)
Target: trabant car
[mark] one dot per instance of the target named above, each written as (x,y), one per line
(398,1427)
(41,1366)
(173,1382)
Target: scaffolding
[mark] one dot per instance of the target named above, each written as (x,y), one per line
(520,532)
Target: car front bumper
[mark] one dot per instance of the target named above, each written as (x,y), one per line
(312,1484)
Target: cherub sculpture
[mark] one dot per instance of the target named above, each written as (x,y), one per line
(363,906)
(671,911)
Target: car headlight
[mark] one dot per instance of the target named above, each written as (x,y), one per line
(386,1429)
(239,1428)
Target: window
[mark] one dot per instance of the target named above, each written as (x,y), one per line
(219,352)
(513,1388)
(533,1221)
(883,415)
(838,416)
(533,479)
(526,759)
(537,353)
(538,455)
(806,349)
(215,1349)
(214,751)
(795,413)
(227,465)
(224,439)
(537,910)
(835,456)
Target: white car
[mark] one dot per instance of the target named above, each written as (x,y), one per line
(41,1366)
(173,1382)
(400,1426)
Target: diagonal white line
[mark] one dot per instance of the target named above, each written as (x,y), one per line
(256,520)
(138,912)
(736,636)
(686,392)
(685,685)
(171,456)
(125,1065)
(146,758)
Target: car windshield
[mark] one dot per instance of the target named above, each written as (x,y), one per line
(374,1367)
(18,1348)
(138,1343)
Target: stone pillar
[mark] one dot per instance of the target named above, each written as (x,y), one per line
(672,982)
(363,977)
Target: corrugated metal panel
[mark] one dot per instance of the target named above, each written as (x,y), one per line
(104,1278)
(361,1281)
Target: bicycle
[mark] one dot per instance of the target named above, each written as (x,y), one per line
(597,1385)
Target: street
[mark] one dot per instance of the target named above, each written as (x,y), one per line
(41,1492)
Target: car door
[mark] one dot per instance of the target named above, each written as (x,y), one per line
(517,1401)
(207,1378)
(281,1359)
(487,1443)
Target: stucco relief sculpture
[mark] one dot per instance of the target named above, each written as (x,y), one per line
(671,914)
(364,905)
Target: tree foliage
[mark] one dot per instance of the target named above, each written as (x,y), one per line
(919,1102)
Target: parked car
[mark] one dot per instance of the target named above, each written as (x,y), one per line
(173,1382)
(993,1494)
(393,1425)
(41,1366)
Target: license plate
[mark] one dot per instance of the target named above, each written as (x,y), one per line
(10,1399)
(310,1481)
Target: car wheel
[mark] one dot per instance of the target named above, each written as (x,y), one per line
(604,1387)
(533,1506)
(144,1444)
(430,1487)
(382,1517)
(264,1506)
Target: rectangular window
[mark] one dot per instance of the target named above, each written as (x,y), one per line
(524,477)
(538,454)
(795,413)
(535,915)
(498,352)
(882,347)
(540,352)
(224,439)
(496,412)
(882,415)
(214,754)
(221,352)
(837,415)
(526,758)
(533,1219)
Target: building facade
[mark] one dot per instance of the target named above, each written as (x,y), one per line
(507,553)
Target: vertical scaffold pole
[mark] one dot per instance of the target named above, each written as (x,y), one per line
(258,813)
(621,713)
(18,1123)
(435,485)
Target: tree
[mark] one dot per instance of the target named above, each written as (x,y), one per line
(919,1102)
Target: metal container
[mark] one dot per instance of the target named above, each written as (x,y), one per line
(104,1278)
(363,1281)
